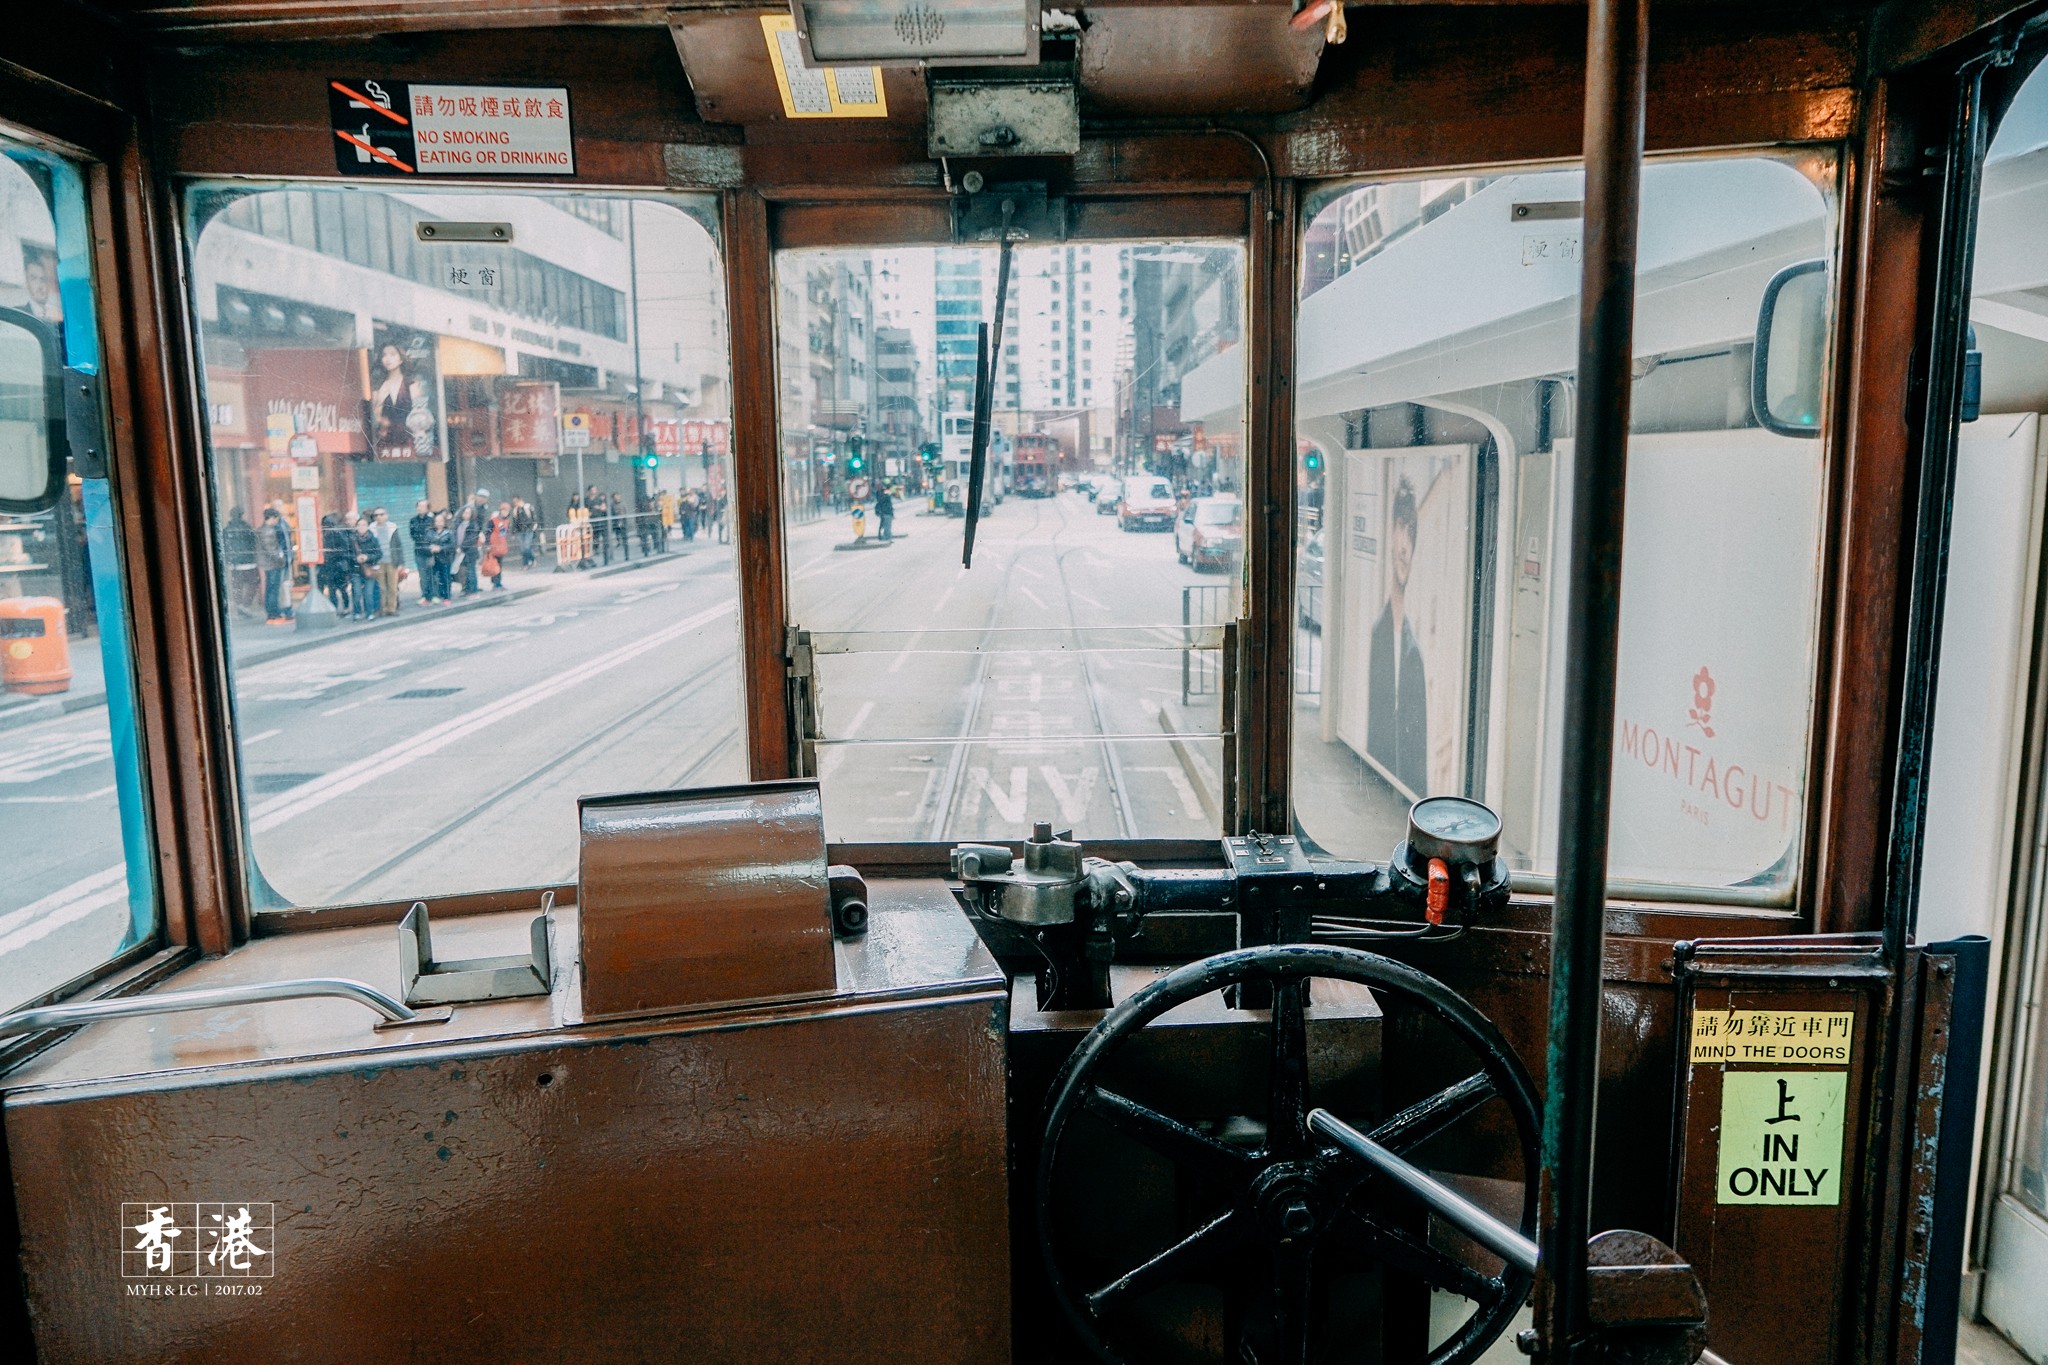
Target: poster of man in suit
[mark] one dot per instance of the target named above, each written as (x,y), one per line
(1397,694)
(1404,636)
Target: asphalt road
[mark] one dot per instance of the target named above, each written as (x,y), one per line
(445,755)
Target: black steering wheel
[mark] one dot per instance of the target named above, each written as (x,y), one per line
(1280,1208)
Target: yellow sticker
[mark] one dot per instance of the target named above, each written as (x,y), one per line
(1805,1037)
(820,92)
(1781,1137)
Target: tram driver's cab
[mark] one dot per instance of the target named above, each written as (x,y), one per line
(545,819)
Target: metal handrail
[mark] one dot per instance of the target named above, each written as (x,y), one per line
(128,1007)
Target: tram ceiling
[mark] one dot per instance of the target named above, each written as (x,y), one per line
(1416,88)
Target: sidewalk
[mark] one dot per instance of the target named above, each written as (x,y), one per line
(253,641)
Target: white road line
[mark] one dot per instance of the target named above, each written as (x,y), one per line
(93,795)
(309,796)
(1034,597)
(345,706)
(259,738)
(91,892)
(903,655)
(836,756)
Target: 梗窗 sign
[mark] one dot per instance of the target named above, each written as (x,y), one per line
(384,127)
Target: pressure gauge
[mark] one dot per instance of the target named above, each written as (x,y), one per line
(1454,829)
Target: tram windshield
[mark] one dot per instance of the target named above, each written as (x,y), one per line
(1074,673)
(471,472)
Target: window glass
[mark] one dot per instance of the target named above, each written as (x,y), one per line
(1437,342)
(471,508)
(78,889)
(1073,674)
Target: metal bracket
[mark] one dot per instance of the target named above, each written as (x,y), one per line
(806,711)
(1032,215)
(427,982)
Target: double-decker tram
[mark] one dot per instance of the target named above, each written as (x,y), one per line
(542,818)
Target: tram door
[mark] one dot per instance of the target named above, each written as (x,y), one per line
(1074,674)
(1982,744)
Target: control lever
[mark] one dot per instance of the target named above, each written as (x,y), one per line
(1047,903)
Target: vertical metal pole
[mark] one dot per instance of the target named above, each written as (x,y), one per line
(1616,39)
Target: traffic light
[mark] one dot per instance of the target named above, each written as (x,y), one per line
(652,461)
(856,459)
(1313,461)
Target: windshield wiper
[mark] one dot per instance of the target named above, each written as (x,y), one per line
(987,351)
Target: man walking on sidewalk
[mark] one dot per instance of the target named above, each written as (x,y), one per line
(391,555)
(245,579)
(421,531)
(526,530)
(274,558)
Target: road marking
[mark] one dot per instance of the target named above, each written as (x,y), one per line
(1010,805)
(1042,605)
(345,706)
(836,756)
(93,795)
(66,905)
(903,655)
(309,796)
(259,738)
(56,754)
(1184,789)
(1072,801)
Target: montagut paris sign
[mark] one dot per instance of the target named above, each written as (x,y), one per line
(400,128)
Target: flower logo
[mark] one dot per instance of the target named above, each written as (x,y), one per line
(1702,711)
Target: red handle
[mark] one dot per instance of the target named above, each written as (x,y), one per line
(1439,891)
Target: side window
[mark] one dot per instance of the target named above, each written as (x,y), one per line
(1433,480)
(471,498)
(1073,674)
(78,892)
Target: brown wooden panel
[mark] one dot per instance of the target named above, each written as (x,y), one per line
(811,1182)
(1428,87)
(902,221)
(757,481)
(1264,723)
(929,220)
(1903,32)
(1791,1271)
(1878,321)
(1192,61)
(263,110)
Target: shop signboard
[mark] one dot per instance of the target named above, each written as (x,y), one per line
(529,418)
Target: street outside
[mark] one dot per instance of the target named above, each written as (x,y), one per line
(445,753)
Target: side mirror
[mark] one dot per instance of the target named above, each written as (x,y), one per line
(1791,350)
(33,450)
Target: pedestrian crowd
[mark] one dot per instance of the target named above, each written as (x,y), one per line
(451,553)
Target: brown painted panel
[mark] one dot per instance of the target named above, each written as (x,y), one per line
(1869,512)
(704,897)
(819,1185)
(1785,1275)
(1193,60)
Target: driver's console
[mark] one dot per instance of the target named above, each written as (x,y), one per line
(737,1104)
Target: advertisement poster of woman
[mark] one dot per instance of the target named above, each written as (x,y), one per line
(401,417)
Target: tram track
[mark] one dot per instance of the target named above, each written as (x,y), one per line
(675,694)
